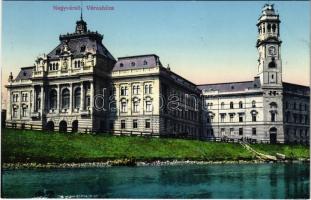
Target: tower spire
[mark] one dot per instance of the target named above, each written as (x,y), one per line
(81,17)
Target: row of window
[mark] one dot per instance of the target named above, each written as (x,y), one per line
(53,66)
(134,124)
(270,28)
(232,131)
(133,64)
(136,90)
(241,117)
(24,112)
(297,132)
(295,106)
(65,99)
(148,106)
(296,118)
(188,115)
(231,105)
(24,97)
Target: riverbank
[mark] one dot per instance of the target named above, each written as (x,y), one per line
(36,148)
(128,163)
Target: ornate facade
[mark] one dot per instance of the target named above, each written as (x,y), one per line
(263,109)
(80,86)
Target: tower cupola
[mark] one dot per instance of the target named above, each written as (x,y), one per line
(268,24)
(81,26)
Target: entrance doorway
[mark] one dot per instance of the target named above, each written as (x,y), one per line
(50,126)
(273,132)
(63,126)
(75,126)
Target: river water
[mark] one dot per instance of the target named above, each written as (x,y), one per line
(183,181)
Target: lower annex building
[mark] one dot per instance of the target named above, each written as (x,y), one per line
(80,86)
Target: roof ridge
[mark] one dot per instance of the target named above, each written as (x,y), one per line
(225,83)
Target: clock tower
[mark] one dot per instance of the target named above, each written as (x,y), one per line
(270,72)
(268,45)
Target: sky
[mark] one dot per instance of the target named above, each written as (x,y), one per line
(205,42)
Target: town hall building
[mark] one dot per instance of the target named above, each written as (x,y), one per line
(79,86)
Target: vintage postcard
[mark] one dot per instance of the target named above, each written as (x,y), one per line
(155,99)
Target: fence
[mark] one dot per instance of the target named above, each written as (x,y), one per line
(131,133)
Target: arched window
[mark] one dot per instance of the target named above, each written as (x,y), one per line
(240,104)
(65,98)
(145,62)
(77,98)
(53,99)
(53,66)
(273,105)
(56,66)
(272,64)
(150,89)
(231,105)
(273,28)
(76,64)
(222,105)
(132,64)
(269,27)
(254,104)
(121,65)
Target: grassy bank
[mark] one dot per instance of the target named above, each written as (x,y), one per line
(42,147)
(290,151)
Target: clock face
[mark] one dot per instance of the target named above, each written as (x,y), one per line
(272,50)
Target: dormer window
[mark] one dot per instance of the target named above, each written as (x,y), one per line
(133,64)
(57,52)
(145,62)
(82,49)
(121,65)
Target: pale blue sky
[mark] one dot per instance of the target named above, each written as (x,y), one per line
(203,41)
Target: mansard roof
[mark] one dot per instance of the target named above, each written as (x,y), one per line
(137,62)
(295,88)
(76,45)
(231,86)
(25,73)
(81,42)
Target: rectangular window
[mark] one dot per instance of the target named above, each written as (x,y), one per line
(24,112)
(222,118)
(122,124)
(147,123)
(135,123)
(14,112)
(231,131)
(148,106)
(231,117)
(123,107)
(136,106)
(240,118)
(273,117)
(253,131)
(222,131)
(240,131)
(254,118)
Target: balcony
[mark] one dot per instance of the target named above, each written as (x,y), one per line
(35,115)
(84,113)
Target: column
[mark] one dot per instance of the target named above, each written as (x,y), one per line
(92,96)
(82,97)
(58,108)
(42,100)
(33,100)
(70,98)
(9,105)
(30,108)
(20,104)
